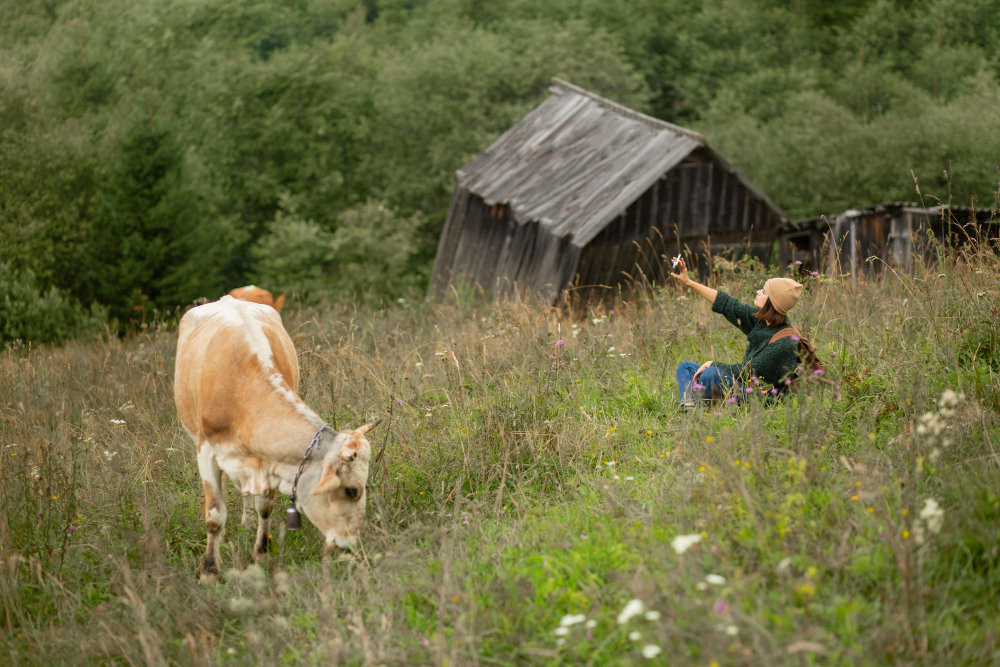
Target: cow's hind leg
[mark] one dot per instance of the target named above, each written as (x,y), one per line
(215,510)
(247,519)
(264,503)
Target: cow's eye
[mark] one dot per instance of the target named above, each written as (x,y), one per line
(351,493)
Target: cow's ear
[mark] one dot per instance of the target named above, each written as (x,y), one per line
(328,481)
(279,302)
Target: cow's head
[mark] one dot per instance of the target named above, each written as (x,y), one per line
(336,503)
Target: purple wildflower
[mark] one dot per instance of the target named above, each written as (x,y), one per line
(46,487)
(717,414)
(774,390)
(612,312)
(697,386)
(420,638)
(731,400)
(560,343)
(399,402)
(836,395)
(551,356)
(818,371)
(788,382)
(720,607)
(749,390)
(545,388)
(795,338)
(798,261)
(569,395)
(72,528)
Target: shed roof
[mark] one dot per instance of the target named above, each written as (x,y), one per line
(577,161)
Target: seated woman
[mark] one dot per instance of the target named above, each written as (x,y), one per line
(765,365)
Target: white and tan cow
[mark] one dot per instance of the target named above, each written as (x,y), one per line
(236,386)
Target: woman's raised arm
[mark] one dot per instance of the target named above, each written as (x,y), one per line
(706,292)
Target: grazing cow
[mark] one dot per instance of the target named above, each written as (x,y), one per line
(235,386)
(255,294)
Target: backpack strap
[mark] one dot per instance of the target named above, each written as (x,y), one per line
(787,332)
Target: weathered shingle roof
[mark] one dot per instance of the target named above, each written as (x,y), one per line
(578,160)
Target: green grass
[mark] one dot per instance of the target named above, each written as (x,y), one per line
(523,480)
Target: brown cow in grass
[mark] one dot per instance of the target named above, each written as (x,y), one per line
(236,386)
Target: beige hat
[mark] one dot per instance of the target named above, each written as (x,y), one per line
(783,293)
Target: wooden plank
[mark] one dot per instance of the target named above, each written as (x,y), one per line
(448,243)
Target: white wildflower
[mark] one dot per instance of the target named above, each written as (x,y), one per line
(715,579)
(611,349)
(918,533)
(561,641)
(652,615)
(561,631)
(591,624)
(682,543)
(732,630)
(400,300)
(933,515)
(635,635)
(650,651)
(631,610)
(701,585)
(117,421)
(110,455)
(419,364)
(950,399)
(785,563)
(572,619)
(935,455)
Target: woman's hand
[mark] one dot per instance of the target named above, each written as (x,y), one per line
(697,373)
(682,273)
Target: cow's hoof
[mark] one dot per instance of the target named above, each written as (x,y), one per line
(209,578)
(261,548)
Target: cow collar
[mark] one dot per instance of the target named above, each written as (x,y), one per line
(293,520)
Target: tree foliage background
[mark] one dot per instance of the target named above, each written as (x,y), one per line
(156,151)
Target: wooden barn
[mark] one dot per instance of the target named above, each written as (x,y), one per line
(586,193)
(869,239)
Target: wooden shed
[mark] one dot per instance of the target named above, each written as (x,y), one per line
(584,192)
(871,239)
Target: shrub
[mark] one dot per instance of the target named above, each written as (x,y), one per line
(369,253)
(29,314)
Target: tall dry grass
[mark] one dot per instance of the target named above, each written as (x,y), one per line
(518,479)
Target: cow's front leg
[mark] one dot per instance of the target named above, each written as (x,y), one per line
(247,519)
(264,503)
(215,510)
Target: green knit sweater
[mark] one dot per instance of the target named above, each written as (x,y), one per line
(772,362)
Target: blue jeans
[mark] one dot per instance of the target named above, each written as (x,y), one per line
(713,383)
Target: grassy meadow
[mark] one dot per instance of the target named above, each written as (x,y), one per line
(533,466)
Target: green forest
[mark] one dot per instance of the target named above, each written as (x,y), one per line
(153,152)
